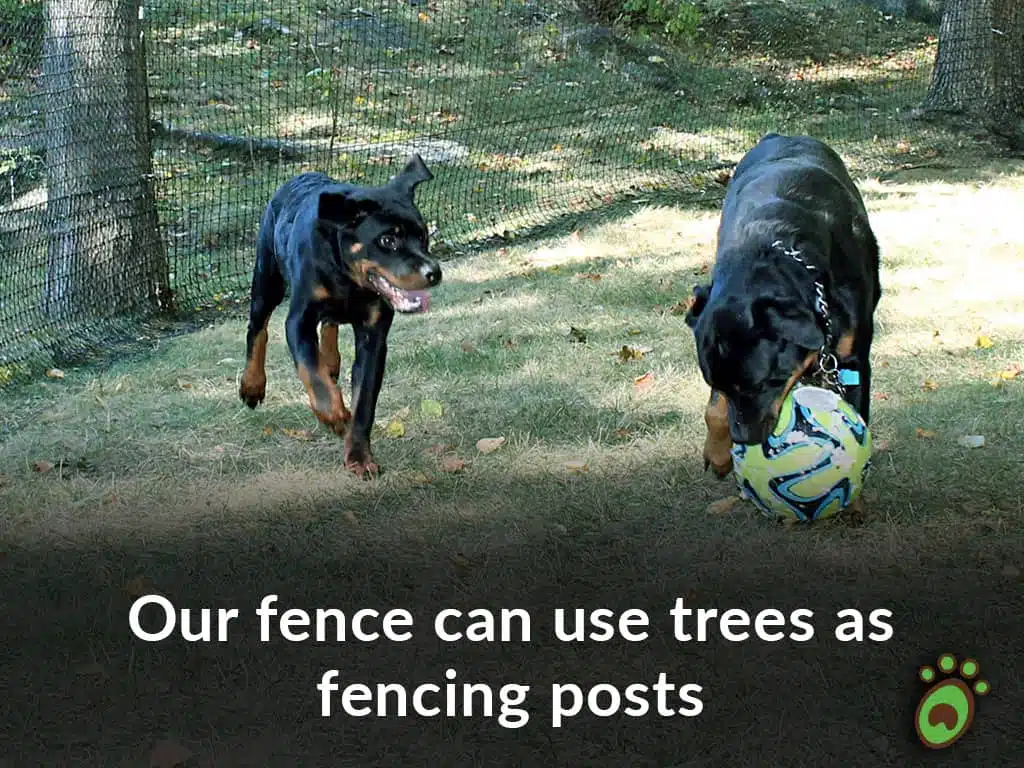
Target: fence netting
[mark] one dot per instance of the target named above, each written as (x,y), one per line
(138,146)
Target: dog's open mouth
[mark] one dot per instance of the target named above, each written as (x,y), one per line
(401,300)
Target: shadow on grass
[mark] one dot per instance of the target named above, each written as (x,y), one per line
(79,690)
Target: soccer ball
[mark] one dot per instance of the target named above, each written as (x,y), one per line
(814,463)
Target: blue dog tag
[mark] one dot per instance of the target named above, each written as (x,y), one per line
(848,377)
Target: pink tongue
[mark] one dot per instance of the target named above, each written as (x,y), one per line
(424,298)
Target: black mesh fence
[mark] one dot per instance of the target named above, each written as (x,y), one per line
(138,147)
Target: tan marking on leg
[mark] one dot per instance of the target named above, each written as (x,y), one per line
(355,248)
(358,458)
(718,442)
(253,386)
(325,398)
(320,293)
(845,346)
(373,315)
(329,355)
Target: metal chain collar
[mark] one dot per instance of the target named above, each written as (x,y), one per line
(828,364)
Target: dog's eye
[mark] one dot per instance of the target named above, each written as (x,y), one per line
(388,242)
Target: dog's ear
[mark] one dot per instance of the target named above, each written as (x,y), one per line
(414,173)
(792,322)
(697,304)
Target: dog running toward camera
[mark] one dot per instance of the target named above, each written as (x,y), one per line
(351,255)
(792,294)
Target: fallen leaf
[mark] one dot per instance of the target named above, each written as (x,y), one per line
(935,333)
(431,409)
(594,276)
(722,506)
(681,307)
(467,346)
(643,383)
(268,431)
(929,385)
(350,517)
(576,466)
(656,59)
(137,587)
(461,563)
(489,444)
(924,434)
(635,331)
(226,361)
(880,446)
(622,433)
(42,467)
(403,413)
(510,344)
(577,336)
(182,384)
(629,353)
(971,441)
(55,373)
(395,429)
(452,464)
(1011,372)
(168,754)
(419,478)
(880,396)
(984,342)
(297,434)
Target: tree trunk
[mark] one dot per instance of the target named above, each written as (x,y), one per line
(979,68)
(105,251)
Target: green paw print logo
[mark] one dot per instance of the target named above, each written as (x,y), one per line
(946,710)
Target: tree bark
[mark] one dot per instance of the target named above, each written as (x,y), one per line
(105,251)
(979,68)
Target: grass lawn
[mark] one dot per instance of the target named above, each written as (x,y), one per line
(151,474)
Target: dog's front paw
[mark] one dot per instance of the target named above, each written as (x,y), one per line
(718,457)
(359,460)
(337,418)
(252,390)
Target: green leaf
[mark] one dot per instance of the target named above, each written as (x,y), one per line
(431,408)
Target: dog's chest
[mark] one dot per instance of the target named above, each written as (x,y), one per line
(350,310)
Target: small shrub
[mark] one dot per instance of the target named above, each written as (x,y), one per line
(21,34)
(676,19)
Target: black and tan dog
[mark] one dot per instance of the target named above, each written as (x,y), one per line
(792,295)
(351,255)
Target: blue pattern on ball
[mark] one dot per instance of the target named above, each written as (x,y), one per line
(783,487)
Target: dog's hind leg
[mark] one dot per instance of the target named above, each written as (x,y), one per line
(718,442)
(268,289)
(329,354)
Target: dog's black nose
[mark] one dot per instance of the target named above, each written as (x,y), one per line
(431,272)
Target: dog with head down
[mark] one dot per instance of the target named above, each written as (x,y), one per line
(792,294)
